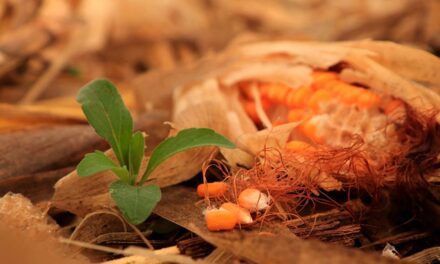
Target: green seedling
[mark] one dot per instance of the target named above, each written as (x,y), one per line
(108,115)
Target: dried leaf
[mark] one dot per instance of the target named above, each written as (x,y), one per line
(36,186)
(98,223)
(45,148)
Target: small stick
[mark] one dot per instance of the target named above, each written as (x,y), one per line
(149,245)
(166,255)
(92,246)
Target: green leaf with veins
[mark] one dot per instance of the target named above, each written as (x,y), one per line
(94,163)
(135,202)
(184,140)
(107,114)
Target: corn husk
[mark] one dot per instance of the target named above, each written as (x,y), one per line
(378,65)
(202,96)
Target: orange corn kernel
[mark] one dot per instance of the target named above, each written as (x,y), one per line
(310,130)
(299,97)
(243,215)
(392,106)
(253,200)
(298,146)
(330,85)
(212,189)
(220,219)
(274,92)
(320,78)
(319,97)
(349,94)
(368,99)
(296,115)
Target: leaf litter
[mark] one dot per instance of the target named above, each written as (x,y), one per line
(167,47)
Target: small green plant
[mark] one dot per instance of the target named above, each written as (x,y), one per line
(108,115)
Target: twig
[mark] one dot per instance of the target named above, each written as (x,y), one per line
(165,255)
(92,246)
(141,235)
(399,238)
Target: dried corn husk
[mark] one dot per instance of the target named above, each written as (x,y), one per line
(203,96)
(378,65)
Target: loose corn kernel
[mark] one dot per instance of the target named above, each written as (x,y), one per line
(319,97)
(253,200)
(212,189)
(220,219)
(243,215)
(298,146)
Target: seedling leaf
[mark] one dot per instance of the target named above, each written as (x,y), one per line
(122,173)
(107,114)
(135,202)
(184,140)
(136,154)
(94,163)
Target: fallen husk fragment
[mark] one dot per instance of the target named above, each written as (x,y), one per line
(28,236)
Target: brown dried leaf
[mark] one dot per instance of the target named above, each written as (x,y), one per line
(98,223)
(36,186)
(45,148)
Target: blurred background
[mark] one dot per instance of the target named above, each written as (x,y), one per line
(50,48)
